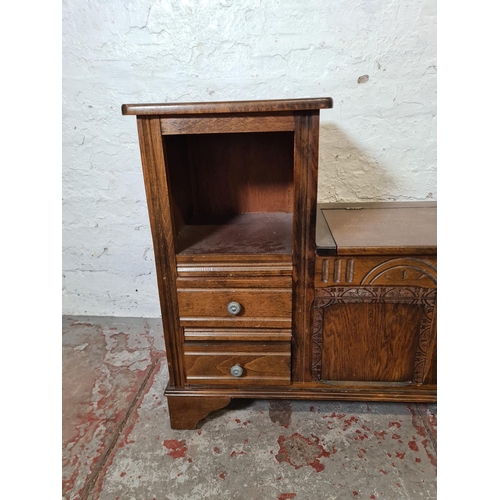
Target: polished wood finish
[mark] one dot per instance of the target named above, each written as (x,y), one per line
(416,270)
(304,227)
(257,305)
(372,231)
(186,411)
(226,265)
(247,234)
(230,174)
(327,391)
(238,334)
(188,108)
(231,191)
(228,124)
(160,216)
(370,342)
(262,363)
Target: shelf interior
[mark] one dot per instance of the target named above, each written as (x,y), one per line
(231,193)
(244,234)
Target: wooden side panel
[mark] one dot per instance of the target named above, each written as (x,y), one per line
(227,124)
(304,229)
(161,217)
(263,364)
(370,342)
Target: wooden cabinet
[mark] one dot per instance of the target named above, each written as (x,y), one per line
(375,300)
(249,307)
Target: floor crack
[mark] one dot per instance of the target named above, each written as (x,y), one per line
(422,412)
(94,476)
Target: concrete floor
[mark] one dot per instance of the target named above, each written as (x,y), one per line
(117,441)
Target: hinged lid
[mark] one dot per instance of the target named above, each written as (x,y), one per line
(377,228)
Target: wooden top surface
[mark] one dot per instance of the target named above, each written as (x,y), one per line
(379,228)
(194,108)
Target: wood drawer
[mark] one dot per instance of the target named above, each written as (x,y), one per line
(260,307)
(262,363)
(235,334)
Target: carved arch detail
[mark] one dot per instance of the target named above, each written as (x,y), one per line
(403,265)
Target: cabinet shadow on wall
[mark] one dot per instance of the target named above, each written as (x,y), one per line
(348,173)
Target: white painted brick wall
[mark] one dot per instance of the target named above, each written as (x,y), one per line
(377,143)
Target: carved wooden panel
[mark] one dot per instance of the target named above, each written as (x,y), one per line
(420,319)
(405,271)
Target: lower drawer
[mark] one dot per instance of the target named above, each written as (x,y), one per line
(222,363)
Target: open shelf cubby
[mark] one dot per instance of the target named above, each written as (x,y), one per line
(232,193)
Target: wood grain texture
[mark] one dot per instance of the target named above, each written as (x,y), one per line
(413,270)
(247,234)
(238,173)
(262,106)
(262,363)
(234,282)
(332,390)
(186,411)
(210,304)
(160,216)
(238,334)
(369,342)
(225,266)
(304,231)
(388,340)
(375,231)
(228,124)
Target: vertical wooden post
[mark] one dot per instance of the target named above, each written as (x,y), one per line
(161,219)
(304,245)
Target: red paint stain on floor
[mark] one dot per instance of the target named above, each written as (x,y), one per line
(395,424)
(216,450)
(349,422)
(135,415)
(223,475)
(234,453)
(415,420)
(400,455)
(413,445)
(177,448)
(432,458)
(286,496)
(299,451)
(355,493)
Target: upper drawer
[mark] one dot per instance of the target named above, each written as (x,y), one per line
(254,307)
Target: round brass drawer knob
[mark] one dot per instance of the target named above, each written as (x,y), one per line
(234,308)
(236,371)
